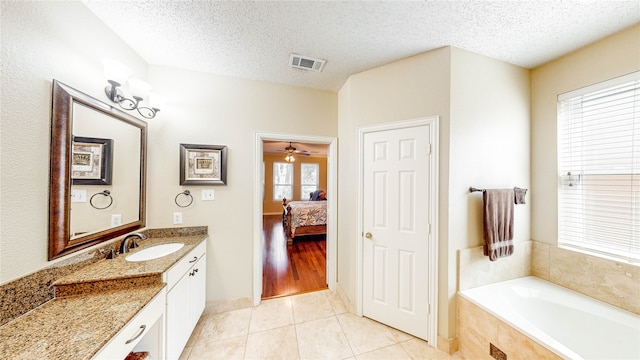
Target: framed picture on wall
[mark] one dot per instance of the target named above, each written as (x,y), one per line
(203,164)
(91,161)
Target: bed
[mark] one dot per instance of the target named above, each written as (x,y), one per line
(301,218)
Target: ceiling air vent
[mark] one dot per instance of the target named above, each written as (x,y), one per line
(305,62)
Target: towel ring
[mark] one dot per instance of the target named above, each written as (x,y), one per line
(188,199)
(105,193)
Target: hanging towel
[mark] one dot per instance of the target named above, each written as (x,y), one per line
(498,222)
(519,195)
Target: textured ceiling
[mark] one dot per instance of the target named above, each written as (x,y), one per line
(253,40)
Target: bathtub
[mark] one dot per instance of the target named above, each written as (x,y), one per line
(569,324)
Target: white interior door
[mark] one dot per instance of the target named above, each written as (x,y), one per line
(396,204)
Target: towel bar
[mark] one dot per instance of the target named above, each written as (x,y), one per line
(473,189)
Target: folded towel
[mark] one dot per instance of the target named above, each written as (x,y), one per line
(519,195)
(498,222)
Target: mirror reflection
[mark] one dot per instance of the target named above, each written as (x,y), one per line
(97,182)
(102,160)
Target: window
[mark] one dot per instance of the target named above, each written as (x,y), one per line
(599,165)
(309,175)
(282,181)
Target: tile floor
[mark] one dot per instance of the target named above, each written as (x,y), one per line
(308,326)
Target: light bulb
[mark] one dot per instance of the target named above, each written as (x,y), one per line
(139,88)
(116,71)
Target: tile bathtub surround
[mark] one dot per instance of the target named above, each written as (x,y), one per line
(477,329)
(475,269)
(540,259)
(613,282)
(308,326)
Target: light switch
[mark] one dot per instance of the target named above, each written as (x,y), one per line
(177,218)
(78,196)
(116,219)
(207,195)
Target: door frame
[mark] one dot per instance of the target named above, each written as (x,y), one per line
(332,206)
(432,318)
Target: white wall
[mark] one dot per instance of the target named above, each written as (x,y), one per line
(218,110)
(609,58)
(41,41)
(483,105)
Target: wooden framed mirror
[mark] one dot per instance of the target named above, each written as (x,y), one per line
(97,184)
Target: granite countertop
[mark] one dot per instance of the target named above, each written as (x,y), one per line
(75,327)
(114,273)
(92,304)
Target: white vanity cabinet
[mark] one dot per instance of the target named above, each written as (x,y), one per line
(186,298)
(143,333)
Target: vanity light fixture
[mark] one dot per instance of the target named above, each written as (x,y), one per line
(117,74)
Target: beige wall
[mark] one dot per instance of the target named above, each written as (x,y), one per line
(218,110)
(477,99)
(483,105)
(612,57)
(407,89)
(489,148)
(41,41)
(270,206)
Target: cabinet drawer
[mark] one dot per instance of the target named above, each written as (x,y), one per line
(178,270)
(127,338)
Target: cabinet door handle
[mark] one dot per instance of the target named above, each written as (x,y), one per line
(140,332)
(195,258)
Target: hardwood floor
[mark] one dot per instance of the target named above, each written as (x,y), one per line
(291,268)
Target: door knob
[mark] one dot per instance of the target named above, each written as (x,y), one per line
(368,235)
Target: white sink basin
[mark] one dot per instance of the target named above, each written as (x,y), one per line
(155,252)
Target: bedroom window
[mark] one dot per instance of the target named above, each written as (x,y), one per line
(282,181)
(599,168)
(309,180)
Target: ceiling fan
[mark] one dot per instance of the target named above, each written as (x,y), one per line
(290,150)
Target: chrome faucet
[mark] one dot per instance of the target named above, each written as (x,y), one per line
(125,246)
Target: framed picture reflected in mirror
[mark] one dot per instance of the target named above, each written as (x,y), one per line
(91,161)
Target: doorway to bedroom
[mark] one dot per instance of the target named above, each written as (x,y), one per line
(294,218)
(291,257)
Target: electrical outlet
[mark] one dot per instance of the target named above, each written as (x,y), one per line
(208,195)
(177,218)
(116,219)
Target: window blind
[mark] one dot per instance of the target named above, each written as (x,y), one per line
(599,165)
